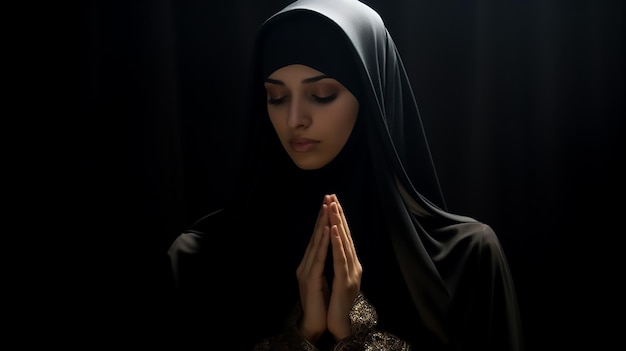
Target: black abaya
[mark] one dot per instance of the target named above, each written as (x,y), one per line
(437,280)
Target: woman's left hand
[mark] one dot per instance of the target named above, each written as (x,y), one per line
(346,284)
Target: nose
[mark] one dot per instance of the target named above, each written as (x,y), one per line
(299,115)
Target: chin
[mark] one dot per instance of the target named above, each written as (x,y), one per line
(308,165)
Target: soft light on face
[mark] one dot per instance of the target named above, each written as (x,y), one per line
(312,114)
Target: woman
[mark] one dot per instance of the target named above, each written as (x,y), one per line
(336,234)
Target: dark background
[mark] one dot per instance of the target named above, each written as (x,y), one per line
(523,103)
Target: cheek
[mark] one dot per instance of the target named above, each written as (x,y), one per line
(273,119)
(279,125)
(342,124)
(347,118)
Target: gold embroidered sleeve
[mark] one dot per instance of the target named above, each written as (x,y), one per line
(364,336)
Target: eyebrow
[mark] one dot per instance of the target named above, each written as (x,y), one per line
(304,81)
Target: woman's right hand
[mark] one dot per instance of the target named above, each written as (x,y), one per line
(314,292)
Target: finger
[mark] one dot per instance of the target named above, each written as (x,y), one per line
(339,220)
(342,215)
(352,259)
(317,266)
(316,259)
(315,243)
(328,199)
(340,263)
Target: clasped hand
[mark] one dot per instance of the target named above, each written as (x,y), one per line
(324,308)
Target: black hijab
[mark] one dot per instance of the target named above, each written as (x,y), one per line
(412,249)
(393,165)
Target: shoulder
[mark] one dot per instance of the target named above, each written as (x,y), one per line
(193,239)
(478,233)
(473,238)
(195,251)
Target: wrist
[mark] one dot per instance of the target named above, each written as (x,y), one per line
(342,332)
(310,335)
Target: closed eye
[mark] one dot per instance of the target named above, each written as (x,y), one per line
(276,101)
(325,99)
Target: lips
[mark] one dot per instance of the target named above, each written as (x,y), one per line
(303,144)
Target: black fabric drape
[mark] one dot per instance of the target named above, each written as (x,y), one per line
(522,102)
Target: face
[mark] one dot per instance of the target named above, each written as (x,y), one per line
(313,114)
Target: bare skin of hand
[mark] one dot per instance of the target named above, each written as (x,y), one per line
(348,271)
(314,292)
(323,309)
